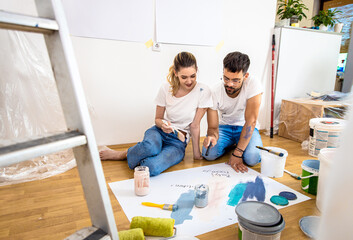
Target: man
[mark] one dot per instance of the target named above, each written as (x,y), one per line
(237,100)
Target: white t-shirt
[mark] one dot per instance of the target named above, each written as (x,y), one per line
(181,111)
(231,111)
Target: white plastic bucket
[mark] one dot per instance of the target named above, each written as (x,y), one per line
(271,164)
(326,160)
(324,133)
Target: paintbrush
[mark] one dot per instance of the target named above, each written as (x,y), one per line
(296,176)
(179,134)
(271,151)
(208,149)
(170,207)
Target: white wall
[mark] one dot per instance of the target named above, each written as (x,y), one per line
(121,78)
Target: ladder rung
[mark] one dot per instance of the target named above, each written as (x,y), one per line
(34,148)
(20,22)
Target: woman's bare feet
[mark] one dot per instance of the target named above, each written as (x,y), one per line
(109,154)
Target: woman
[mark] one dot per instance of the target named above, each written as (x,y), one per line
(181,104)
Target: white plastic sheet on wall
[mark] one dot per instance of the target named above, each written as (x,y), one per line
(29,105)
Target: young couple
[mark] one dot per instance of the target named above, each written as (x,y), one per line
(181,104)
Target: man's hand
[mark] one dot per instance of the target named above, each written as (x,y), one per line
(237,164)
(209,140)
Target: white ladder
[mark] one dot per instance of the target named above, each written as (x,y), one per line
(51,22)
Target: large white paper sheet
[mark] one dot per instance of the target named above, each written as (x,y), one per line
(192,22)
(177,187)
(111,19)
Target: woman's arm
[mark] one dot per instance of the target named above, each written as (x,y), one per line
(195,132)
(158,120)
(212,128)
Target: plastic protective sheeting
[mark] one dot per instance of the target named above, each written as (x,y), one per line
(295,115)
(29,105)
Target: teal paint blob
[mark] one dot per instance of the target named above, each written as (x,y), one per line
(185,204)
(279,200)
(236,194)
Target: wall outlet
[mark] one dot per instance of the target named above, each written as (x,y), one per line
(156,47)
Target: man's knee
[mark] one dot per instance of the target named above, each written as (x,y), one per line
(211,154)
(252,158)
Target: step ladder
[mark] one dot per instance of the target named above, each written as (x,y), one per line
(51,22)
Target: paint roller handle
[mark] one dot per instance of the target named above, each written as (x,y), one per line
(271,151)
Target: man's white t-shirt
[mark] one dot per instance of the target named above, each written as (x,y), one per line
(181,111)
(231,111)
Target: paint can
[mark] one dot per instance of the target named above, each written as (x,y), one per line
(326,157)
(271,164)
(310,175)
(201,195)
(324,133)
(259,220)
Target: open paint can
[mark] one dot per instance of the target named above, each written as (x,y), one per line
(310,175)
(259,220)
(273,165)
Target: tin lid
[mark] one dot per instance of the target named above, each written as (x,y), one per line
(264,230)
(258,213)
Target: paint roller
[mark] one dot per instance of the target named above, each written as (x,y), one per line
(158,227)
(131,234)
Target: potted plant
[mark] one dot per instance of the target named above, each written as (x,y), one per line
(291,9)
(325,18)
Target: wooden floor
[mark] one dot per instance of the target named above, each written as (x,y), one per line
(54,208)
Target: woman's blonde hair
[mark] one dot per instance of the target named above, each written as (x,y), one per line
(182,60)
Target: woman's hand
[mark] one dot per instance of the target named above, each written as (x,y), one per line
(167,127)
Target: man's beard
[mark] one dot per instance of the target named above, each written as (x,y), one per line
(231,90)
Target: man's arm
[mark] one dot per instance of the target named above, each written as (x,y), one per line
(212,128)
(251,115)
(195,132)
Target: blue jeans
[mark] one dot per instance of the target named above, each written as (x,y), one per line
(228,136)
(158,151)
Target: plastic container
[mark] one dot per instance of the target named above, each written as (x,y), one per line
(259,220)
(326,160)
(324,133)
(271,164)
(142,180)
(310,173)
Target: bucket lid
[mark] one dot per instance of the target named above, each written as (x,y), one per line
(327,123)
(258,213)
(309,225)
(265,230)
(311,165)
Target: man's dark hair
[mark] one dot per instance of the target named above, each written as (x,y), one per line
(236,62)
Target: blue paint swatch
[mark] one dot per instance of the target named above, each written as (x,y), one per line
(255,190)
(288,195)
(185,204)
(244,191)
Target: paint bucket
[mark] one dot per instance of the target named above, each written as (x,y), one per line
(271,164)
(324,133)
(310,175)
(326,160)
(259,220)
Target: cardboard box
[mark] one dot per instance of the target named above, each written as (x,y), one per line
(295,116)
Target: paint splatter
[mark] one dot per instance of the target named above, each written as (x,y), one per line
(185,204)
(236,194)
(250,190)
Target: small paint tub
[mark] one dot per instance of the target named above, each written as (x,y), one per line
(258,220)
(310,175)
(271,164)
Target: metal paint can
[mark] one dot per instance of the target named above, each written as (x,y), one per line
(201,195)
